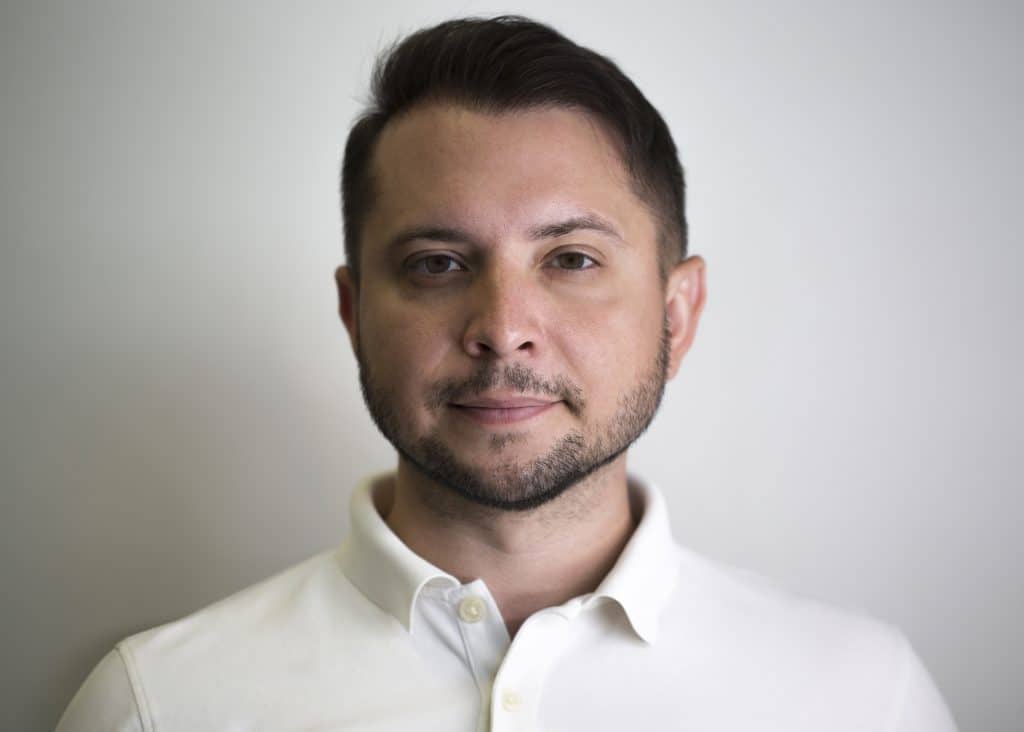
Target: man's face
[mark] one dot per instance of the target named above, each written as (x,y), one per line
(510,323)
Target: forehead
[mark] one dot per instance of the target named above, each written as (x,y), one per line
(443,164)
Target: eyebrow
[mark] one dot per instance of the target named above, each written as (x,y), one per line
(585,222)
(431,233)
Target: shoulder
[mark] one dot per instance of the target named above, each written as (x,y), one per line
(761,609)
(832,657)
(224,653)
(105,701)
(270,617)
(278,598)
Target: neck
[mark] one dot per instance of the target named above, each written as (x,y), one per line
(530,559)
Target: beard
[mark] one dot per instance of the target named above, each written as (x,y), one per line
(514,485)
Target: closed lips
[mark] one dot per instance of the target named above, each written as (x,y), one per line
(502,411)
(503,403)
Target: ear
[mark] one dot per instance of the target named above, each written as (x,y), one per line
(348,304)
(684,301)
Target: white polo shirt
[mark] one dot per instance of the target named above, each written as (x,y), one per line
(369,636)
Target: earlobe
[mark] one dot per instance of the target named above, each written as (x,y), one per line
(684,301)
(348,303)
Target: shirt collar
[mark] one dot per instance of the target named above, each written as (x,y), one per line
(391,575)
(646,572)
(378,563)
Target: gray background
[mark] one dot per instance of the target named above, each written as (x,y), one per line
(180,411)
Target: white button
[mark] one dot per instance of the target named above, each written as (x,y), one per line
(472,609)
(511,701)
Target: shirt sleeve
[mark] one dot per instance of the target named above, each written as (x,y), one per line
(920,707)
(105,702)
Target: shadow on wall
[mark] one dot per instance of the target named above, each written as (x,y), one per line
(145,491)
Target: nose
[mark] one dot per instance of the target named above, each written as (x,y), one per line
(502,322)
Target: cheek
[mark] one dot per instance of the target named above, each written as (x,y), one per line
(401,345)
(610,348)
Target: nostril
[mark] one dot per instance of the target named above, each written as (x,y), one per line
(491,337)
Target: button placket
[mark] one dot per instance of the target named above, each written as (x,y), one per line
(483,633)
(520,680)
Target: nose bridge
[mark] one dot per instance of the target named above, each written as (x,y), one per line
(502,321)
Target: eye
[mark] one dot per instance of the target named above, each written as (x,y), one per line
(573,260)
(435,264)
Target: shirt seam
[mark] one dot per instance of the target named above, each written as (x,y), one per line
(142,705)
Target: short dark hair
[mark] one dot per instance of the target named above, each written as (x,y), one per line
(509,63)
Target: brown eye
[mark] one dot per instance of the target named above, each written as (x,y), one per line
(435,264)
(574,260)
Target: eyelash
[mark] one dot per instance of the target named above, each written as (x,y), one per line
(414,266)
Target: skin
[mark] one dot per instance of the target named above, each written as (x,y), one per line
(502,294)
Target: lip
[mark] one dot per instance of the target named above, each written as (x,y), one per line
(498,411)
(504,402)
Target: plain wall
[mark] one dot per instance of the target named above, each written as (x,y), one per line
(180,409)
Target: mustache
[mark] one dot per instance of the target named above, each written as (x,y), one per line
(513,376)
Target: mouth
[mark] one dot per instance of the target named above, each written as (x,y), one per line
(499,411)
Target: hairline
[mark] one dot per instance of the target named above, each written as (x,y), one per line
(442,97)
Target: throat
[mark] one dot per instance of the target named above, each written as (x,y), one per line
(528,560)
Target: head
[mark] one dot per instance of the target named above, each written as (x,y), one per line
(517,290)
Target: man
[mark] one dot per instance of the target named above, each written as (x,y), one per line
(517,292)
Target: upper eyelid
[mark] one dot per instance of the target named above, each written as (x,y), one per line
(421,256)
